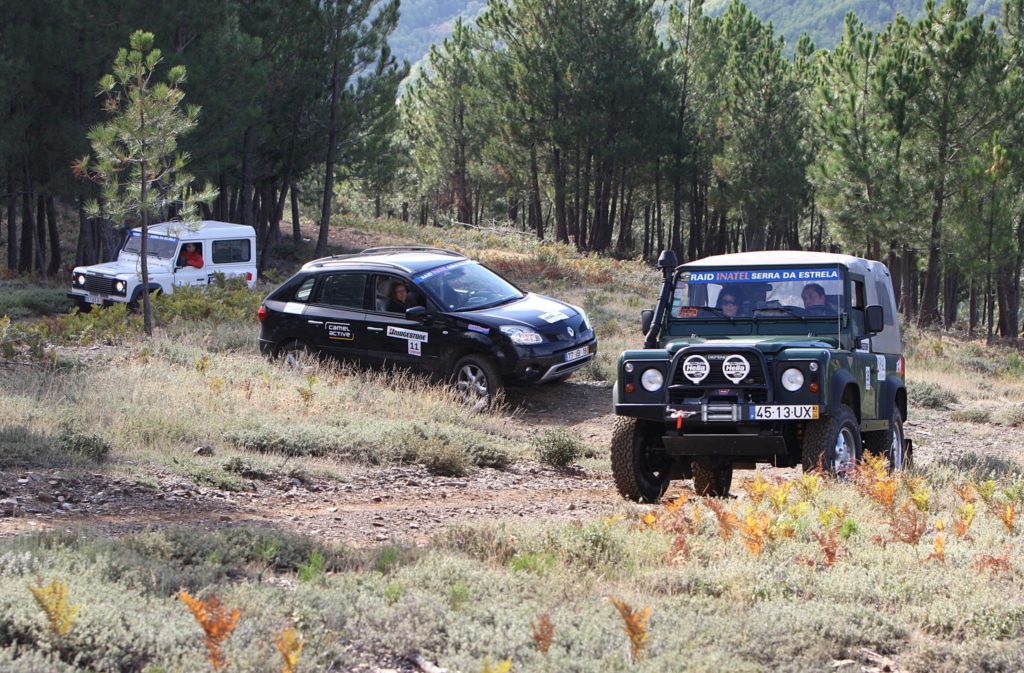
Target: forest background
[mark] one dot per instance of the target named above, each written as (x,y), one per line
(621,127)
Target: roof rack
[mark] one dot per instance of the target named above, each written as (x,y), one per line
(408,248)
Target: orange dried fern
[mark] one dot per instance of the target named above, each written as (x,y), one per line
(908,524)
(873,480)
(543,633)
(289,646)
(217,623)
(635,624)
(52,598)
(727,521)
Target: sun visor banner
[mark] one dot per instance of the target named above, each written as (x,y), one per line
(759,275)
(154,237)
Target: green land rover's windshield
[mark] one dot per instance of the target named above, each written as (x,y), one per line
(795,300)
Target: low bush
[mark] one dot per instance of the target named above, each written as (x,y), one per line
(930,395)
(33,301)
(84,444)
(971,415)
(557,446)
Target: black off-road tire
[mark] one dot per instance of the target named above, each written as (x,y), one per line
(822,448)
(476,380)
(890,443)
(296,355)
(641,473)
(711,478)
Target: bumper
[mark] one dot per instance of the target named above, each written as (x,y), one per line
(526,366)
(746,445)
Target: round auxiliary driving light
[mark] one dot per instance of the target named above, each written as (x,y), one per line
(652,380)
(792,380)
(628,367)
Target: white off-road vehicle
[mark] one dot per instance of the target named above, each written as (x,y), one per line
(214,248)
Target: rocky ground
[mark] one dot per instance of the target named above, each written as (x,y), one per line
(366,506)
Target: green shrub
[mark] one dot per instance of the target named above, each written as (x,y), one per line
(244,468)
(557,446)
(313,569)
(34,301)
(85,445)
(930,395)
(971,415)
(1012,416)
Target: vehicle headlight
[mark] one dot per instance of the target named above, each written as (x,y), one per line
(80,279)
(792,379)
(652,380)
(586,321)
(120,286)
(521,336)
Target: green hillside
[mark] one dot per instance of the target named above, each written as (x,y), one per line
(425,22)
(823,19)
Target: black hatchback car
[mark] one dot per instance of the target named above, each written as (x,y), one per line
(431,310)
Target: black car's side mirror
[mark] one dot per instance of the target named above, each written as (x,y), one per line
(646,318)
(874,320)
(416,313)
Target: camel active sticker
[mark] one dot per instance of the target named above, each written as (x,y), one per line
(414,338)
(339,331)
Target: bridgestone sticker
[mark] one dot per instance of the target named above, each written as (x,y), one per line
(339,331)
(696,368)
(735,368)
(410,334)
(553,316)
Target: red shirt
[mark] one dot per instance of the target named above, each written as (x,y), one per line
(194,258)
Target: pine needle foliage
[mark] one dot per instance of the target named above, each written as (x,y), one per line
(52,598)
(217,623)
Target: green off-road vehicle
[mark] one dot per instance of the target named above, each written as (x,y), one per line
(787,358)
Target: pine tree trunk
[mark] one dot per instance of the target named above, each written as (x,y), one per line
(296,225)
(28,225)
(12,222)
(147,304)
(248,170)
(51,218)
(657,204)
(535,191)
(583,224)
(929,314)
(332,140)
(40,258)
(561,228)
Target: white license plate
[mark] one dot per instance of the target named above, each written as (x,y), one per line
(787,412)
(577,354)
(94,298)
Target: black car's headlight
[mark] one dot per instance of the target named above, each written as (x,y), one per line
(522,336)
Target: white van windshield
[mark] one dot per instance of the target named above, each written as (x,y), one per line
(158,245)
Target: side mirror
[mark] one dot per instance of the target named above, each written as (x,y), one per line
(646,318)
(416,313)
(874,319)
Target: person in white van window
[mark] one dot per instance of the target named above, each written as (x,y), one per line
(190,256)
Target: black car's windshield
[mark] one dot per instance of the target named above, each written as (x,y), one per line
(466,286)
(796,294)
(158,245)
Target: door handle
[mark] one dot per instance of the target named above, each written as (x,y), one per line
(375,329)
(315,322)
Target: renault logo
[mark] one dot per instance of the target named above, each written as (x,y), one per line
(570,331)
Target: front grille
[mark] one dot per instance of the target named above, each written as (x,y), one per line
(99,284)
(750,395)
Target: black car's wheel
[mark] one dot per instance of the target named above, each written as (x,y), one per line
(833,443)
(297,355)
(641,472)
(711,477)
(476,380)
(890,443)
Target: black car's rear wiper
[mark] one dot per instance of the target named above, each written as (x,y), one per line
(717,311)
(788,310)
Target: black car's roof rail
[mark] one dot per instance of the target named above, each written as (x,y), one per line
(408,248)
